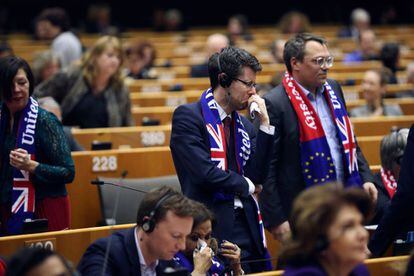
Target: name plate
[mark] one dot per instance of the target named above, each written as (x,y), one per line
(48,243)
(175,101)
(152,138)
(104,163)
(151,88)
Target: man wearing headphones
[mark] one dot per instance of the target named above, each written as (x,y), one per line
(164,219)
(215,153)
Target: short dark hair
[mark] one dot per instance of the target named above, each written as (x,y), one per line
(57,17)
(175,202)
(8,70)
(138,48)
(295,47)
(5,49)
(314,211)
(232,61)
(27,259)
(201,214)
(390,54)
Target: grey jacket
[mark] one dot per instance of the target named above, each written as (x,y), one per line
(69,87)
(363,111)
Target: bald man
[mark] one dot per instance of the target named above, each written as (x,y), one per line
(214,44)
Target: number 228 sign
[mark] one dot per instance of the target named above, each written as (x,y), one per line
(104,163)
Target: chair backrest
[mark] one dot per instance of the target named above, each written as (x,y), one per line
(129,200)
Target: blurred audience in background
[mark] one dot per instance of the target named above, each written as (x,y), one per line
(238,29)
(140,57)
(49,104)
(44,65)
(294,22)
(367,48)
(214,44)
(99,21)
(168,20)
(360,20)
(5,49)
(276,49)
(390,58)
(410,80)
(93,94)
(374,87)
(54,24)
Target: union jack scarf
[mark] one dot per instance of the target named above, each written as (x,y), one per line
(316,159)
(23,192)
(389,182)
(218,147)
(216,269)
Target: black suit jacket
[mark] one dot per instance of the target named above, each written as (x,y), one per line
(399,218)
(199,177)
(285,178)
(199,70)
(123,256)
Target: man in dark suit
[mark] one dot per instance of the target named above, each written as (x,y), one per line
(164,219)
(311,122)
(217,162)
(398,218)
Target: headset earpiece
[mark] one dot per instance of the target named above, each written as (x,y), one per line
(148,223)
(223,79)
(322,243)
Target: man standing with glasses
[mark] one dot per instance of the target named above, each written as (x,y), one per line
(315,143)
(215,153)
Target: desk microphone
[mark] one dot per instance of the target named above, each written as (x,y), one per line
(108,246)
(100,182)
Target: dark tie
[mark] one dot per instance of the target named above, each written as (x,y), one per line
(232,165)
(226,125)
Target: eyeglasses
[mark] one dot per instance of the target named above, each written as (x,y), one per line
(324,61)
(249,84)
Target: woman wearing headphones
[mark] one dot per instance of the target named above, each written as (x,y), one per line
(328,236)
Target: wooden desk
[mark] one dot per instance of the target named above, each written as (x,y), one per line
(69,243)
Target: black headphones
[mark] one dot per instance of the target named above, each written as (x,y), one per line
(148,224)
(321,244)
(223,79)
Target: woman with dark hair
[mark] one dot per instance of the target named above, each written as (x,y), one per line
(39,262)
(390,57)
(238,30)
(140,58)
(199,256)
(93,94)
(328,236)
(35,160)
